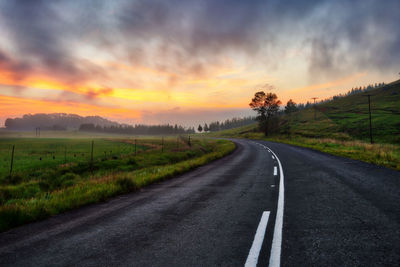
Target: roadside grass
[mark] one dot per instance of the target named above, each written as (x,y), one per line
(340,144)
(387,155)
(27,197)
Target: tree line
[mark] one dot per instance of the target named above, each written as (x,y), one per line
(54,121)
(352,91)
(138,129)
(225,125)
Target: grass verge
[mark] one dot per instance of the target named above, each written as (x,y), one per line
(380,154)
(387,155)
(99,187)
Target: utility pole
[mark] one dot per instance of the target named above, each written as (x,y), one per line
(315,114)
(370,119)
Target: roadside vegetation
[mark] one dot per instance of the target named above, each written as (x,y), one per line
(339,126)
(61,181)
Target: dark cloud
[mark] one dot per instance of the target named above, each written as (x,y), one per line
(42,37)
(196,26)
(355,35)
(189,36)
(18,70)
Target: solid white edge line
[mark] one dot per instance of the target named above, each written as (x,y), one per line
(275,257)
(254,252)
(275,170)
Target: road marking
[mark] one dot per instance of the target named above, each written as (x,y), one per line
(252,259)
(275,257)
(275,171)
(273,157)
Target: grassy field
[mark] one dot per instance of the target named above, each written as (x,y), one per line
(67,178)
(341,127)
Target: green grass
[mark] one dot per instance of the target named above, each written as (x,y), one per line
(40,153)
(51,188)
(341,127)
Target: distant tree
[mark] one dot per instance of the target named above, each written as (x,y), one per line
(200,129)
(266,106)
(205,128)
(290,107)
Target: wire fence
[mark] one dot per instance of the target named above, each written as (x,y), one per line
(20,155)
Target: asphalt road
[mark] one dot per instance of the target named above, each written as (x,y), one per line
(337,212)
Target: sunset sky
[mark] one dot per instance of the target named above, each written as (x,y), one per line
(188,62)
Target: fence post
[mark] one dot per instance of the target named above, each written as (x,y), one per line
(177,142)
(12,159)
(162,144)
(135,147)
(91,152)
(190,144)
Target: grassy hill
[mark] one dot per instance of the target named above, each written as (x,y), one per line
(344,119)
(341,127)
(347,117)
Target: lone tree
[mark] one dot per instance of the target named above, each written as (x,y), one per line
(290,107)
(267,106)
(200,129)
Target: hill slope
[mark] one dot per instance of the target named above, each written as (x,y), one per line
(346,118)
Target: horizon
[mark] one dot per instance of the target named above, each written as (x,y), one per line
(159,62)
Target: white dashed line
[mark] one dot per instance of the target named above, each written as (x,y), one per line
(252,258)
(275,171)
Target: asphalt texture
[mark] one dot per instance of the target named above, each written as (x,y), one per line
(337,212)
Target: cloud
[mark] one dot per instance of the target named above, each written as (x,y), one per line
(42,37)
(355,36)
(95,93)
(186,38)
(16,69)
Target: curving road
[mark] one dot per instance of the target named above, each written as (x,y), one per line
(337,212)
